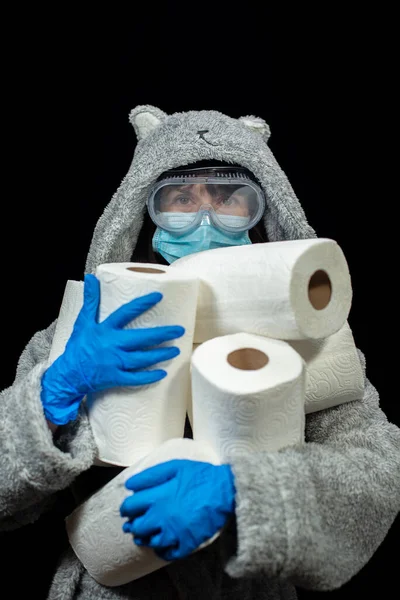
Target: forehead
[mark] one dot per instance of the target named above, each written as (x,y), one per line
(194,188)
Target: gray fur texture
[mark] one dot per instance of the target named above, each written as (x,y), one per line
(174,141)
(310,516)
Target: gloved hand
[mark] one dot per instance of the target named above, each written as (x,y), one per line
(103,355)
(177,505)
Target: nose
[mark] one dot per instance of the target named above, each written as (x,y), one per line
(205,214)
(205,200)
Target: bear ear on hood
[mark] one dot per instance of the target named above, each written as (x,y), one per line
(145,119)
(257,124)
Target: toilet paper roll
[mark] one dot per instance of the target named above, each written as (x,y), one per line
(248,395)
(95,528)
(290,290)
(189,403)
(70,306)
(130,422)
(334,374)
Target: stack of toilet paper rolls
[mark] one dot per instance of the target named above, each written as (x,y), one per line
(267,341)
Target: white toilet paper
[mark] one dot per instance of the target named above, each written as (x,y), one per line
(334,373)
(95,528)
(189,401)
(70,306)
(128,423)
(298,289)
(247,394)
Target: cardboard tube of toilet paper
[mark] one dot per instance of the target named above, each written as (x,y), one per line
(128,423)
(95,528)
(334,374)
(247,395)
(290,290)
(70,306)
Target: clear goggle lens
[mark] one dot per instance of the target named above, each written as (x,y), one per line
(179,204)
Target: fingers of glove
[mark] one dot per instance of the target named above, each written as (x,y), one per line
(139,339)
(147,525)
(133,379)
(142,541)
(127,527)
(153,476)
(169,554)
(141,359)
(139,540)
(137,504)
(164,539)
(91,297)
(131,310)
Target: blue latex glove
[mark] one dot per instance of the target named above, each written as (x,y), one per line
(178,505)
(103,355)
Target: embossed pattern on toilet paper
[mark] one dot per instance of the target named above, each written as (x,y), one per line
(263,289)
(189,400)
(70,307)
(95,528)
(334,373)
(241,422)
(128,423)
(237,426)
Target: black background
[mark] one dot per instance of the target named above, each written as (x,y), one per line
(325,83)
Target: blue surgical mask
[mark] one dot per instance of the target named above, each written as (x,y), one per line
(205,237)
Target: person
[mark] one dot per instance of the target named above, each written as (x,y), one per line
(307,517)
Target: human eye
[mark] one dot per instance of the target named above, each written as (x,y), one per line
(182,200)
(229,201)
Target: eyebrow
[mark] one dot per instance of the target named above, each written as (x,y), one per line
(186,187)
(179,188)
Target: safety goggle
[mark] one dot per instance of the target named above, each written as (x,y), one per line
(226,198)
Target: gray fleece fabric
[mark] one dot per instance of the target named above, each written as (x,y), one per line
(308,517)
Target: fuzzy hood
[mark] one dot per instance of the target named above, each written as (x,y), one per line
(170,141)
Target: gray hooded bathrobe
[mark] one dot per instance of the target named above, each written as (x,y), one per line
(309,517)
